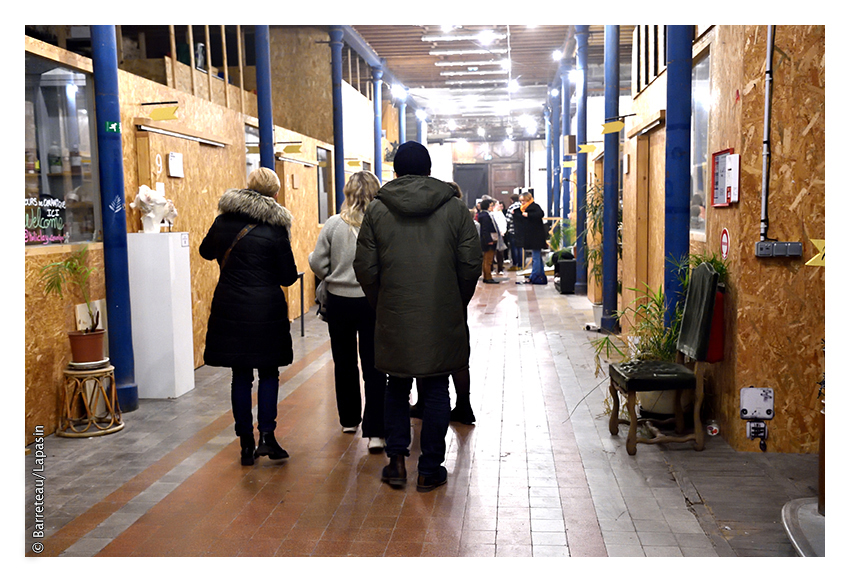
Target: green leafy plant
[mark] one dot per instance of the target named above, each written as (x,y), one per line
(71,272)
(561,236)
(592,231)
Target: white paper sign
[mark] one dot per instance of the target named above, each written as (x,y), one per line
(175,165)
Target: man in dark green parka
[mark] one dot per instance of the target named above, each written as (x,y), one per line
(418,261)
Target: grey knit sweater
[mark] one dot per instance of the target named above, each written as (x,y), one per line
(333,257)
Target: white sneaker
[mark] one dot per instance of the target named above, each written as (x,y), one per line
(376,445)
(349,429)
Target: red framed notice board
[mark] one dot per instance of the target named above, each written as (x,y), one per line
(725,176)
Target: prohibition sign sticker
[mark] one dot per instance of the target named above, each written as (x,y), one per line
(724,244)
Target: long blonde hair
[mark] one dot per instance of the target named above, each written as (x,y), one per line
(359,192)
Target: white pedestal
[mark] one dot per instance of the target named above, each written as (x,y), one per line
(161,309)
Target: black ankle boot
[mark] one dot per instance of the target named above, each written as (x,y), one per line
(395,473)
(247,453)
(268,447)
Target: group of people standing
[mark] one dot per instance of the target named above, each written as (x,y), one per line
(520,228)
(400,264)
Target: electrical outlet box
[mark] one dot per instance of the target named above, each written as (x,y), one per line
(757,403)
(770,248)
(756,430)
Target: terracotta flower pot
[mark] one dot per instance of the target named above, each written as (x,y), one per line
(86,347)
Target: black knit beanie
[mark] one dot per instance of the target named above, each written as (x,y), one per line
(412,158)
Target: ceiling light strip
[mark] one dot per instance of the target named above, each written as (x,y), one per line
(449,52)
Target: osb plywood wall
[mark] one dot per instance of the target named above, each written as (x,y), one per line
(208,172)
(299,193)
(47,321)
(769,295)
(643,196)
(762,295)
(301,71)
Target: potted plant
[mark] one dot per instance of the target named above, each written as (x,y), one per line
(72,272)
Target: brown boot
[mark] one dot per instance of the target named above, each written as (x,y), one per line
(395,473)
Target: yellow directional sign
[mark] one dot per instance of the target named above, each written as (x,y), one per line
(354,162)
(570,164)
(252,149)
(612,127)
(586,148)
(819,260)
(164,113)
(292,149)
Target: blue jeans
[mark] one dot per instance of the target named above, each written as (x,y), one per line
(240,399)
(516,253)
(538,276)
(436,409)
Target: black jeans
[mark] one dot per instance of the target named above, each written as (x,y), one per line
(240,399)
(351,326)
(436,411)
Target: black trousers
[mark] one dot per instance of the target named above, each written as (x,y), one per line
(351,326)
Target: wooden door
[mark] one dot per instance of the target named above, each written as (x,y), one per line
(504,179)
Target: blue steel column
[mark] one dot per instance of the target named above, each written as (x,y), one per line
(566,110)
(548,136)
(377,74)
(677,162)
(556,155)
(264,95)
(610,172)
(336,81)
(111,174)
(581,159)
(402,121)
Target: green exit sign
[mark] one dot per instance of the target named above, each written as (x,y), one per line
(113,127)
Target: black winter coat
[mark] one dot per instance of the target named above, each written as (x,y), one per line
(488,229)
(530,232)
(249,320)
(418,260)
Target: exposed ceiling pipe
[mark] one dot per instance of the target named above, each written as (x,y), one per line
(765,170)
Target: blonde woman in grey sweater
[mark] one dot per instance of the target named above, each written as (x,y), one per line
(350,318)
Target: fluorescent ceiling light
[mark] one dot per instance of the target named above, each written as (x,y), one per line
(469,63)
(475,82)
(513,85)
(421,115)
(471,73)
(485,37)
(557,55)
(449,52)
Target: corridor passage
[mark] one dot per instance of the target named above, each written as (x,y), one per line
(539,475)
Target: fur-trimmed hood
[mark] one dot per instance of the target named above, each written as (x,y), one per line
(256,206)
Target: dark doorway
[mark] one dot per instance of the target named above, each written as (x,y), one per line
(473,181)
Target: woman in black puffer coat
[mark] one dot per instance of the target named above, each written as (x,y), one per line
(249,322)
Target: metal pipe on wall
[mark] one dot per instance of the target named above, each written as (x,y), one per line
(581,159)
(677,190)
(611,177)
(765,168)
(111,175)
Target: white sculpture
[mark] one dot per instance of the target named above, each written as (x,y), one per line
(154,208)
